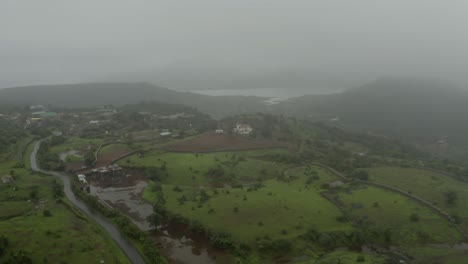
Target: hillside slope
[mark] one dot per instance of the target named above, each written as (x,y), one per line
(407,108)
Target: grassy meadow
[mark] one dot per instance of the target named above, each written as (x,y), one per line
(388,210)
(189,169)
(431,186)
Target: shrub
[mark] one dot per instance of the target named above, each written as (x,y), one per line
(414,217)
(46,213)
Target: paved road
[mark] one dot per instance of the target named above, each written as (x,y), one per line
(128,248)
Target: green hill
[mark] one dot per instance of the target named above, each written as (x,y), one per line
(415,110)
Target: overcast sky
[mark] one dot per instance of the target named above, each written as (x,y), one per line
(183,43)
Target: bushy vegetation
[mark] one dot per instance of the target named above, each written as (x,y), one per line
(10,134)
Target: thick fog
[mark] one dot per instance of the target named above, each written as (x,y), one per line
(231,43)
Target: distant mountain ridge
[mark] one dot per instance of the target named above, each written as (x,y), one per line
(408,108)
(99,94)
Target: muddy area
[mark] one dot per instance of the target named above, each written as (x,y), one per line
(175,241)
(127,200)
(124,178)
(180,246)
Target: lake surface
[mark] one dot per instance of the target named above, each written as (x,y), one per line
(274,94)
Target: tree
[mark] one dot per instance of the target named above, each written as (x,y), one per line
(204,197)
(4,242)
(222,240)
(360,175)
(155,219)
(46,213)
(414,217)
(451,197)
(89,158)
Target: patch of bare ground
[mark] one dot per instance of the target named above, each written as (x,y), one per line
(107,158)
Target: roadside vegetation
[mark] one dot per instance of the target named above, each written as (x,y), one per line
(37,224)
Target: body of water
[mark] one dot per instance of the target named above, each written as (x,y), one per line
(274,95)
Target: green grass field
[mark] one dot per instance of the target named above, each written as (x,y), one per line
(438,254)
(346,257)
(280,210)
(286,209)
(75,143)
(428,185)
(389,210)
(189,169)
(113,147)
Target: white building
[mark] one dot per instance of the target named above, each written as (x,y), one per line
(219,131)
(243,129)
(82,178)
(165,134)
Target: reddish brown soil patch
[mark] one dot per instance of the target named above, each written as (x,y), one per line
(128,177)
(74,166)
(107,158)
(210,142)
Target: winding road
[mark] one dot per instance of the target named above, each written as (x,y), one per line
(129,250)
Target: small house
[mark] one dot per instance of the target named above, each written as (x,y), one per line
(165,134)
(219,131)
(82,178)
(335,184)
(243,129)
(7,179)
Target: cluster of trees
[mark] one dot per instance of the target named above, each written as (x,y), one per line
(48,160)
(157,174)
(195,120)
(16,257)
(9,134)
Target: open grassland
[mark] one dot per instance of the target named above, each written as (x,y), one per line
(110,149)
(346,257)
(431,186)
(445,254)
(279,210)
(387,210)
(76,143)
(190,169)
(211,141)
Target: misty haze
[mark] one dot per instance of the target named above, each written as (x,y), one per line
(246,132)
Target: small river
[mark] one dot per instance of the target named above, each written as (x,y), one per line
(128,248)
